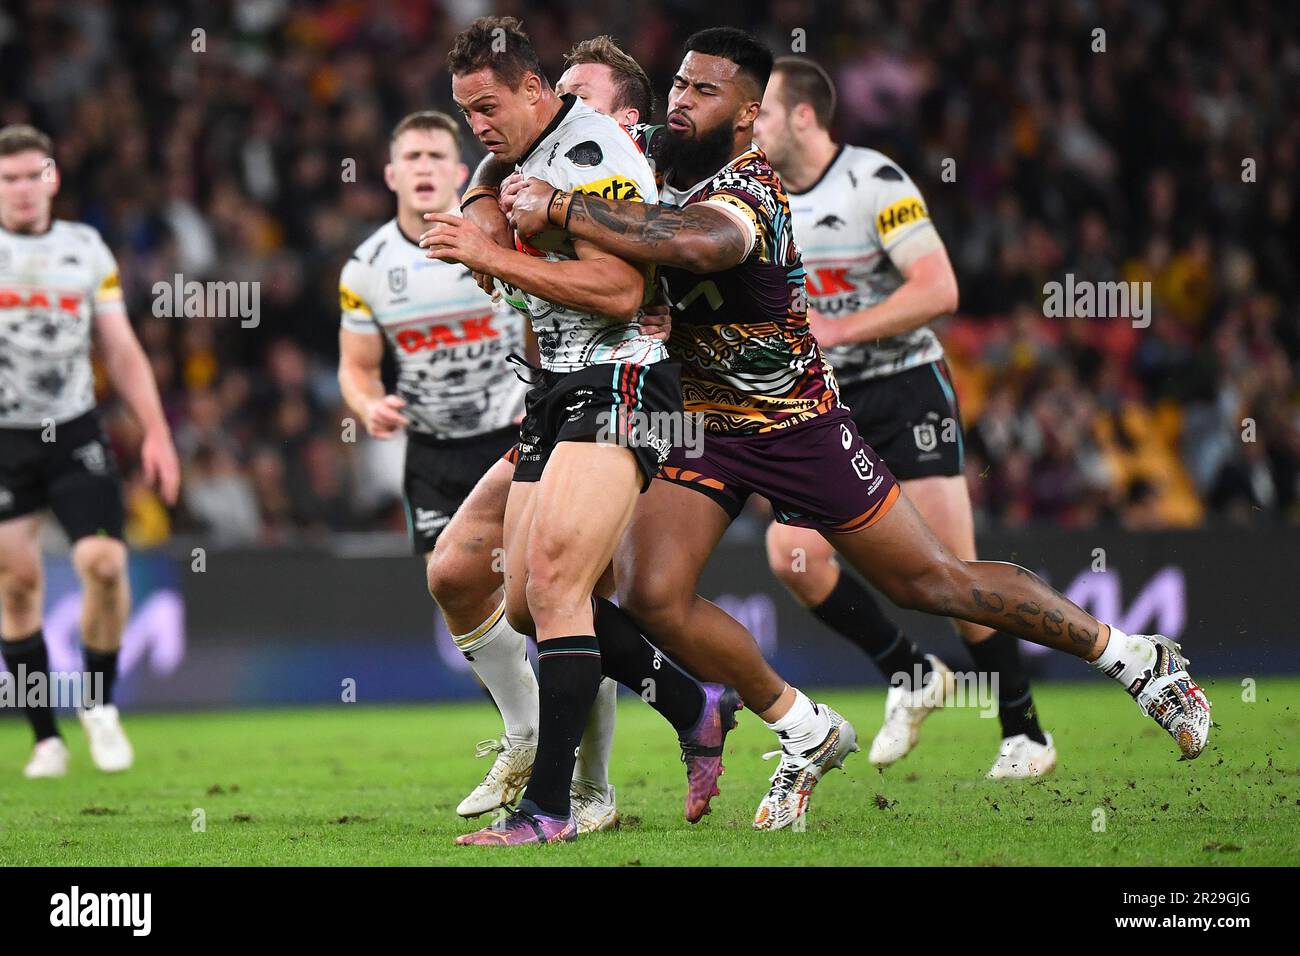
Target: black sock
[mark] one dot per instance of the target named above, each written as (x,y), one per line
(104,664)
(851,610)
(568,676)
(30,654)
(635,663)
(1000,655)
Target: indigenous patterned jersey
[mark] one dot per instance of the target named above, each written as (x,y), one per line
(52,286)
(854,225)
(749,363)
(584,151)
(450,340)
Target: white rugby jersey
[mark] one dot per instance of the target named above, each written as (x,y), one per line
(449,338)
(584,151)
(52,286)
(848,225)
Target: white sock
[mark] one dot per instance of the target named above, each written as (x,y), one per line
(1126,658)
(804,726)
(598,739)
(499,655)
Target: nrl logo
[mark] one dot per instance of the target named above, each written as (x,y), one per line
(926,436)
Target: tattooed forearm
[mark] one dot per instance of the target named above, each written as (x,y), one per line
(699,240)
(988,600)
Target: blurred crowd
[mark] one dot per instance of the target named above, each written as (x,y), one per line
(1135,140)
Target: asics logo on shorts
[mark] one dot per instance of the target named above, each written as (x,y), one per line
(92,456)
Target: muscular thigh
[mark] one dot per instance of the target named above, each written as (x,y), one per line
(673,532)
(515,528)
(583,504)
(471,540)
(944,504)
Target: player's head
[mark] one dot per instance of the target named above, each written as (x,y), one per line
(28,179)
(424,167)
(799,104)
(608,80)
(498,84)
(715,98)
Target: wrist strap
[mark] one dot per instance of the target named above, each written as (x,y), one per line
(478,192)
(559,208)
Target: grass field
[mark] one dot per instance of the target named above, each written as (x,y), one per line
(369,786)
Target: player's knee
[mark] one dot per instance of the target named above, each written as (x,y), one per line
(100,563)
(656,605)
(19,586)
(455,582)
(936,589)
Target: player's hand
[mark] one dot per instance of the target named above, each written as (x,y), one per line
(490,219)
(528,209)
(456,239)
(384,418)
(657,322)
(159,464)
(485,283)
(510,188)
(827,332)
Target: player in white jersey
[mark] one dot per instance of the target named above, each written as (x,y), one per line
(877,275)
(458,402)
(59,289)
(588,444)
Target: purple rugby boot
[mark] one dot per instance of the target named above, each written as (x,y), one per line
(522,827)
(702,748)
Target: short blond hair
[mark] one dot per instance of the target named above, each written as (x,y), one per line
(20,137)
(630,80)
(426,120)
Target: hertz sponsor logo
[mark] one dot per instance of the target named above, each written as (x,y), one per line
(349,301)
(899,214)
(613,187)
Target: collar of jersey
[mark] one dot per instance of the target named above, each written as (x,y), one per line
(568,99)
(839,151)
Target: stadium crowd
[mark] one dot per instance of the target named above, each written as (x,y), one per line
(246,141)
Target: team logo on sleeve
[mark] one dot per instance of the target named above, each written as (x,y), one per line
(585,154)
(613,187)
(349,301)
(902,213)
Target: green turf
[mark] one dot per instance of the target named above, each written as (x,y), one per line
(370,785)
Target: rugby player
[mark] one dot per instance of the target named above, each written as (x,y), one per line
(775,426)
(59,287)
(458,402)
(580,465)
(877,274)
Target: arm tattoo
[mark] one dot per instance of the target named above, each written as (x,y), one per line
(1083,639)
(687,238)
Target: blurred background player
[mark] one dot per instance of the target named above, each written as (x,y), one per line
(59,287)
(878,273)
(458,402)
